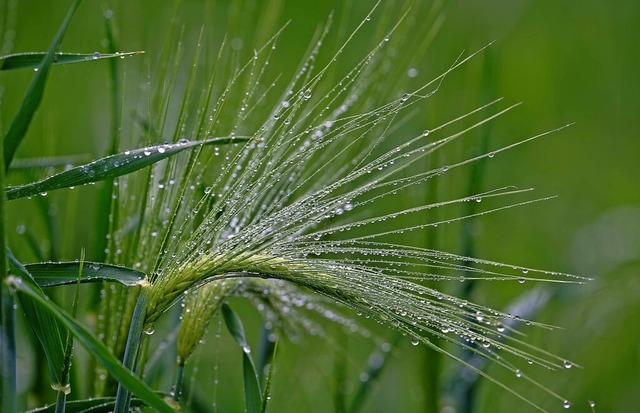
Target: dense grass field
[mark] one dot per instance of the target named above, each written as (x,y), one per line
(299,180)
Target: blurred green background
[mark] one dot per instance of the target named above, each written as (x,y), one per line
(568,62)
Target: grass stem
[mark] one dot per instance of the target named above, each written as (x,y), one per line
(177,387)
(123,396)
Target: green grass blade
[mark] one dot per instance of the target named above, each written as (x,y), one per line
(94,405)
(22,120)
(267,383)
(235,327)
(252,393)
(50,333)
(112,166)
(95,347)
(49,274)
(33,59)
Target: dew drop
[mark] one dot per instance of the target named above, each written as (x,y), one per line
(592,403)
(96,55)
(567,364)
(161,149)
(415,341)
(566,404)
(426,132)
(518,373)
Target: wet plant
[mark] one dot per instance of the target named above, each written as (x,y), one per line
(293,191)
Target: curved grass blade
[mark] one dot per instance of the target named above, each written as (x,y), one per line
(49,274)
(252,393)
(31,101)
(50,333)
(94,346)
(112,166)
(95,405)
(33,59)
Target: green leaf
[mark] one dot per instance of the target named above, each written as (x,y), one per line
(49,274)
(50,333)
(95,405)
(112,166)
(235,327)
(33,59)
(252,393)
(95,347)
(31,101)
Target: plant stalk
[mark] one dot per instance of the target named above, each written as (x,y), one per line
(123,396)
(177,387)
(61,399)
